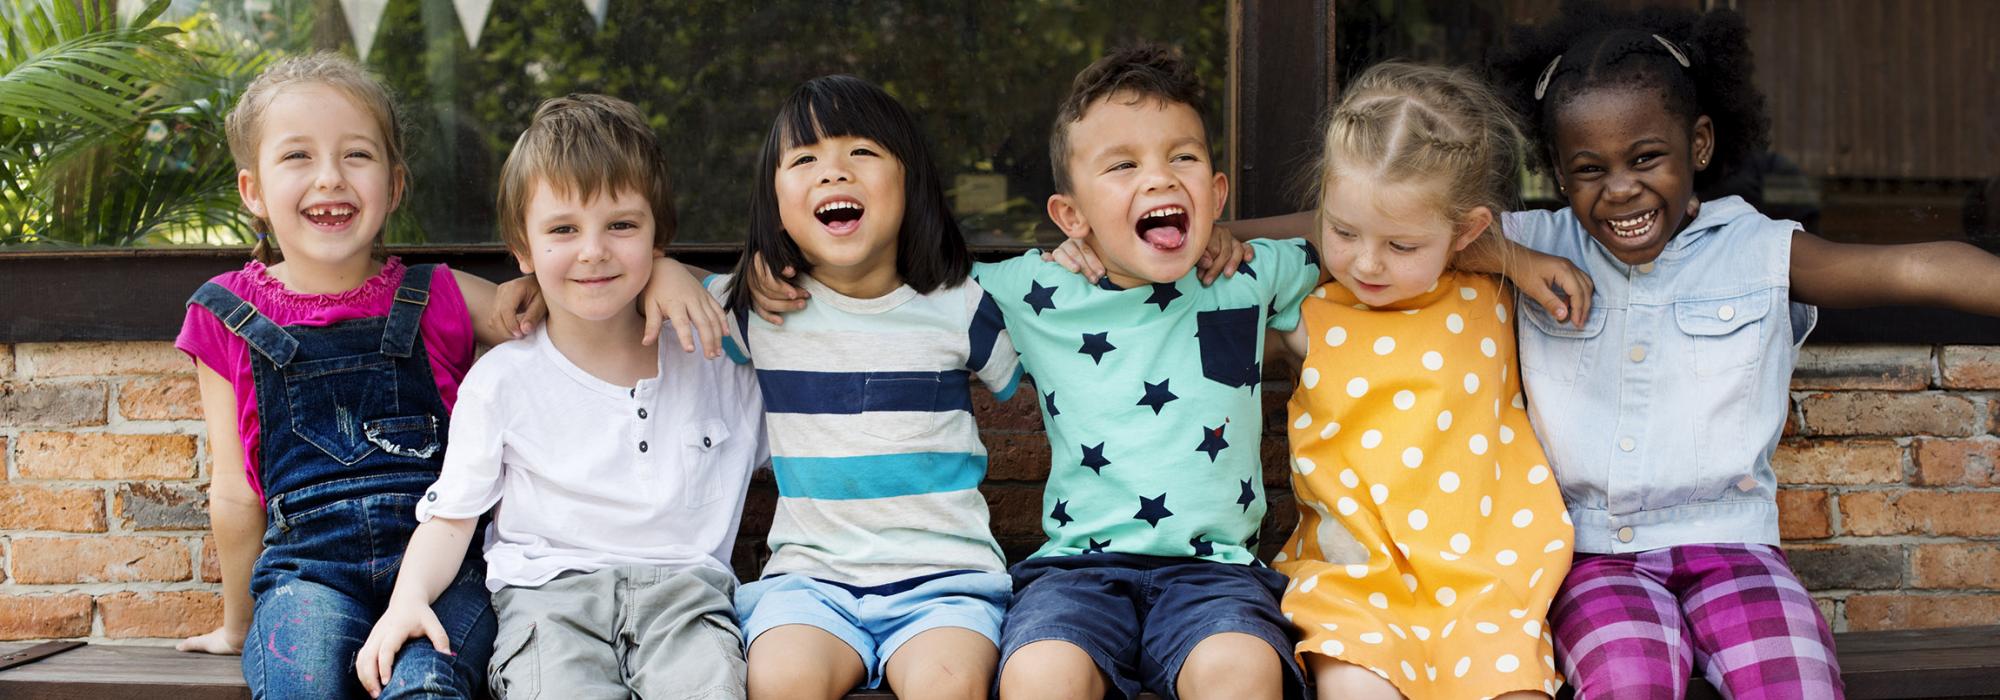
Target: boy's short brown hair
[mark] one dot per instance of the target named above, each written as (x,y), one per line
(585,145)
(1142,71)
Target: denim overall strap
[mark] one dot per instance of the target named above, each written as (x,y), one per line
(247,323)
(405,317)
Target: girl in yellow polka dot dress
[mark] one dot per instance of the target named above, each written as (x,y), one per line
(1431,536)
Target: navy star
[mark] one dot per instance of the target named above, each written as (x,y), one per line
(1249,495)
(1093,457)
(1061,514)
(1040,298)
(1095,345)
(1153,510)
(1202,548)
(1244,268)
(1050,401)
(1106,284)
(1312,254)
(1163,294)
(1212,442)
(1157,395)
(1096,547)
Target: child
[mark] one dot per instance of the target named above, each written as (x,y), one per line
(335,424)
(1661,413)
(615,471)
(1406,397)
(883,566)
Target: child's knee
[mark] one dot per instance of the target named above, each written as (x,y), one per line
(1231,662)
(1051,669)
(423,672)
(1630,669)
(1340,680)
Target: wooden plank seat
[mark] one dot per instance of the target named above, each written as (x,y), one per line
(1962,662)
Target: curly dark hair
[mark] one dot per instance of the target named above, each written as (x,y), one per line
(1603,47)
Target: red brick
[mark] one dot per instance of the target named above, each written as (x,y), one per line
(1970,367)
(52,404)
(1957,565)
(1016,456)
(6,361)
(1838,462)
(153,505)
(1920,512)
(1956,462)
(44,616)
(1023,412)
(1829,610)
(86,359)
(51,508)
(1016,510)
(211,562)
(105,456)
(160,398)
(1803,514)
(155,614)
(1793,422)
(1892,414)
(99,559)
(1905,611)
(1849,367)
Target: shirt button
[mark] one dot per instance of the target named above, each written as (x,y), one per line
(1638,353)
(705,442)
(1625,534)
(1746,484)
(1645,268)
(642,445)
(634,391)
(1627,444)
(1726,312)
(642,413)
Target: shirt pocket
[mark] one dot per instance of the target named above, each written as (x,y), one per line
(1228,339)
(1556,349)
(332,401)
(1724,335)
(709,474)
(899,406)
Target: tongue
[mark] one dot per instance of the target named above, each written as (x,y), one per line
(1164,237)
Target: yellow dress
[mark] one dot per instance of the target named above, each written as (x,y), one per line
(1431,534)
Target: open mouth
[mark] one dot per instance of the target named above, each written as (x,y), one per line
(1164,228)
(329,215)
(840,216)
(1635,226)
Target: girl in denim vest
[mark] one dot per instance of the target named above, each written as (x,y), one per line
(1660,413)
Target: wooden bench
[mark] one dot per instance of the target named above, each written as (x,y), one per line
(1943,663)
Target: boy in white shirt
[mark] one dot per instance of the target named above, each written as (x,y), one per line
(615,471)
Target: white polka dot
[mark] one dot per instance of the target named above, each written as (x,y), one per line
(1335,336)
(1410,582)
(1496,470)
(1349,479)
(1431,672)
(1500,310)
(1329,431)
(1488,348)
(1538,474)
(1565,517)
(1381,602)
(1446,596)
(1468,293)
(1471,383)
(1485,506)
(1309,378)
(1487,628)
(1347,506)
(1372,637)
(1454,323)
(1518,401)
(1413,458)
(1496,408)
(1281,557)
(1357,387)
(1357,570)
(1461,543)
(1506,557)
(1409,671)
(1507,663)
(1419,519)
(1332,647)
(1305,420)
(1464,666)
(1423,633)
(1447,556)
(1506,435)
(1330,627)
(1517,613)
(1550,662)
(1448,482)
(1444,420)
(1532,628)
(1535,579)
(1523,517)
(1371,439)
(1554,546)
(1320,293)
(1477,444)
(1385,345)
(1404,547)
(1309,584)
(1288,616)
(1398,629)
(1433,361)
(1405,399)
(1303,465)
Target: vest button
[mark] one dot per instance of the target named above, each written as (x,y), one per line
(1726,312)
(1625,534)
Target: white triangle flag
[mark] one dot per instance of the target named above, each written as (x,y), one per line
(363,18)
(597,9)
(472,16)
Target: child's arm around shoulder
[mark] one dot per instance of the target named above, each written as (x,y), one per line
(234,511)
(1945,274)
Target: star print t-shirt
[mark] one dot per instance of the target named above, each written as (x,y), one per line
(1152,398)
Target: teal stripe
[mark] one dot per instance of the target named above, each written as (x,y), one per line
(877,476)
(1013,382)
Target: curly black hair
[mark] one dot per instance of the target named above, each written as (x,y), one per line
(1603,47)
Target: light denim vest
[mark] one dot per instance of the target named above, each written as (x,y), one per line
(1659,416)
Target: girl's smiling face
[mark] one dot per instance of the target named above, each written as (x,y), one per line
(841,200)
(1627,165)
(1390,242)
(323,181)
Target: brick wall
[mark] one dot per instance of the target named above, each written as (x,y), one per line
(1891,502)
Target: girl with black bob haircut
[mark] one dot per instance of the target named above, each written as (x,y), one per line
(1660,413)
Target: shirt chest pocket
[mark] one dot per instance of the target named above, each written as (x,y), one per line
(710,475)
(1724,335)
(1556,349)
(900,406)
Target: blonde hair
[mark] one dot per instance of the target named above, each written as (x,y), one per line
(245,124)
(582,145)
(1403,122)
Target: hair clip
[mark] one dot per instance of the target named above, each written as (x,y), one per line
(1542,84)
(1674,49)
(262,235)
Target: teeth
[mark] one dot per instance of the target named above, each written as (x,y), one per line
(834,206)
(337,210)
(1635,224)
(1164,211)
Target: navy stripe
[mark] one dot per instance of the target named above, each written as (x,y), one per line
(987,324)
(850,393)
(895,587)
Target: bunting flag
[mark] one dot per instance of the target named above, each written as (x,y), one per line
(597,9)
(472,16)
(363,18)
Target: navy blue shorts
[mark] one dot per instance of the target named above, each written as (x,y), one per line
(1139,616)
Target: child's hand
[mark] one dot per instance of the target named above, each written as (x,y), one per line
(518,305)
(770,295)
(1223,254)
(675,295)
(403,621)
(1547,279)
(218,641)
(1076,257)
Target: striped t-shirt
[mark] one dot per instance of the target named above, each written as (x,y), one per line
(869,412)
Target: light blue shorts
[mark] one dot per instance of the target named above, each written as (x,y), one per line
(876,621)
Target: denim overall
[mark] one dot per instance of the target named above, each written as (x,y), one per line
(353,434)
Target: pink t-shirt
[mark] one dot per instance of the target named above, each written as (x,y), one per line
(446,329)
